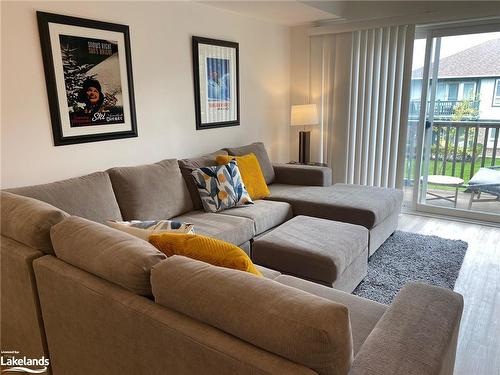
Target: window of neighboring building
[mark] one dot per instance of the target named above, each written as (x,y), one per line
(496,94)
(491,136)
(468,90)
(453,91)
(441,91)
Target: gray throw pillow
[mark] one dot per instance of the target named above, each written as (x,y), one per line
(260,152)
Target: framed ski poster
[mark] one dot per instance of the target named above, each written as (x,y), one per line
(88,73)
(216,83)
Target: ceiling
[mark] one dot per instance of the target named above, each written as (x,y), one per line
(289,13)
(292,12)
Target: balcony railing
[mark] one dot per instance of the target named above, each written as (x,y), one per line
(445,109)
(459,148)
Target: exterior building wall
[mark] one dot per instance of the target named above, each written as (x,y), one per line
(486,109)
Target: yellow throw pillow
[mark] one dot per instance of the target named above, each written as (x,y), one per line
(251,173)
(206,249)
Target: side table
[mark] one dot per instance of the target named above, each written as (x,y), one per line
(309,163)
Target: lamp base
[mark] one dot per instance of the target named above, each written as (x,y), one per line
(304,147)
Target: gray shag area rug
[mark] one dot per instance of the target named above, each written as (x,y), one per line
(408,257)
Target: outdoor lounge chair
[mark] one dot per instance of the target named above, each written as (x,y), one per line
(485,180)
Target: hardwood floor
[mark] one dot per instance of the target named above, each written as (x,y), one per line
(478,351)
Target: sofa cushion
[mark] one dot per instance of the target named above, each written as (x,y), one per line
(355,204)
(151,192)
(236,230)
(106,252)
(260,152)
(267,272)
(28,221)
(221,187)
(312,248)
(189,165)
(206,249)
(265,214)
(306,329)
(363,313)
(89,196)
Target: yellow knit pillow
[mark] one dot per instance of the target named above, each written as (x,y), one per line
(250,171)
(206,249)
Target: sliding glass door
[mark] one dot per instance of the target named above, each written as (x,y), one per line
(452,163)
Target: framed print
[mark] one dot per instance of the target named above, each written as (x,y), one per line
(88,73)
(216,83)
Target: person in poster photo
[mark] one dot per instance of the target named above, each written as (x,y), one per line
(92,81)
(219,79)
(91,94)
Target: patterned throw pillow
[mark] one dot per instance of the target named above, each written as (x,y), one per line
(221,187)
(144,229)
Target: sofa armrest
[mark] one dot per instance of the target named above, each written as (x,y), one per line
(309,175)
(416,335)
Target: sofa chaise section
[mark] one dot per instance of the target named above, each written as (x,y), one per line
(377,209)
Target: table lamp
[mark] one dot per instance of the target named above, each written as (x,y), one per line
(302,115)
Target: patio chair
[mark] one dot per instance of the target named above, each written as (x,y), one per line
(485,180)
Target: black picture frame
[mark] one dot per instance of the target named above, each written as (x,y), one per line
(56,112)
(199,80)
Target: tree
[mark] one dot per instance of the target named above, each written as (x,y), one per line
(74,75)
(465,110)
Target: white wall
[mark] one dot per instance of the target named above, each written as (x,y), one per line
(299,82)
(486,109)
(161,56)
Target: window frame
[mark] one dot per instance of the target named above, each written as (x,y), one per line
(496,98)
(461,90)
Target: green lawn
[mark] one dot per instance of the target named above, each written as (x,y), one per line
(458,167)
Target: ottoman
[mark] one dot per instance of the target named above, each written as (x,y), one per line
(327,252)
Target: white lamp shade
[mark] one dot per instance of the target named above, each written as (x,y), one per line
(305,114)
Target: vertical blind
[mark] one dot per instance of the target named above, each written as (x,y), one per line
(377,122)
(360,81)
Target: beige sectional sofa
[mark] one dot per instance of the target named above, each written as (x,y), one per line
(98,301)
